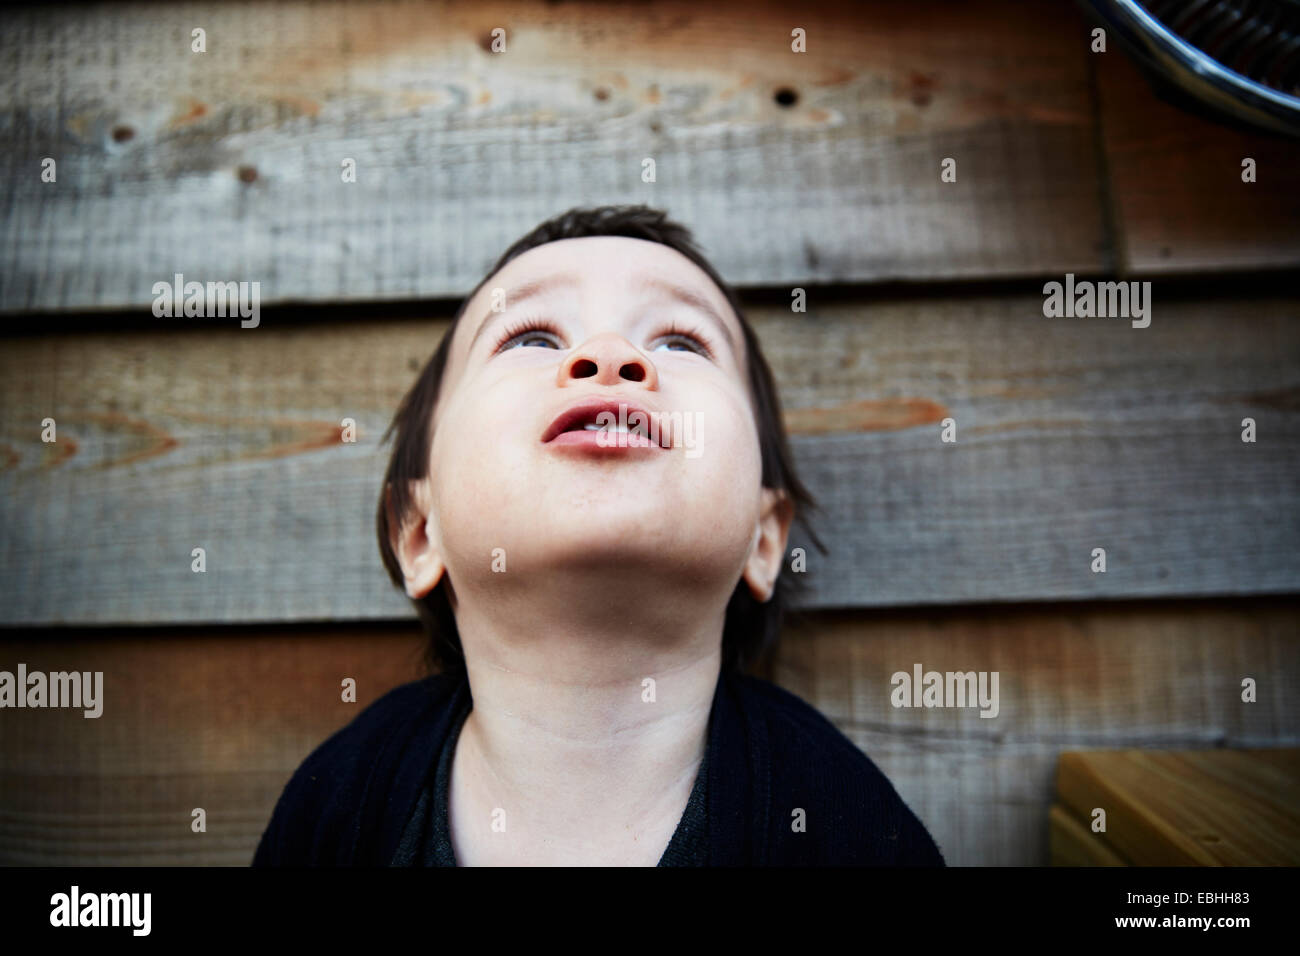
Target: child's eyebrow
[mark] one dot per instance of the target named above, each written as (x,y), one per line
(689,298)
(528,290)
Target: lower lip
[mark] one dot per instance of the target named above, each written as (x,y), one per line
(605,441)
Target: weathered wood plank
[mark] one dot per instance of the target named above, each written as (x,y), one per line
(220,717)
(1143,676)
(1176,186)
(1072,434)
(227,165)
(206,717)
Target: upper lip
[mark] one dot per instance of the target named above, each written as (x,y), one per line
(585,410)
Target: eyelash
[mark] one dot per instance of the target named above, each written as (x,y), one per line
(539,324)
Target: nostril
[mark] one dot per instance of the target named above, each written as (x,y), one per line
(632,371)
(583,368)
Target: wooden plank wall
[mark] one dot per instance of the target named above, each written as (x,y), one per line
(1072,433)
(1070,436)
(217,718)
(227,164)
(220,718)
(1163,675)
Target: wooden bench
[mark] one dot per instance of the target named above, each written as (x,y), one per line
(1177,808)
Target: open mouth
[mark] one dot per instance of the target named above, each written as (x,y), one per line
(601,423)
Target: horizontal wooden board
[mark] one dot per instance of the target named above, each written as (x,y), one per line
(220,718)
(1149,676)
(206,718)
(1072,434)
(227,165)
(1190,808)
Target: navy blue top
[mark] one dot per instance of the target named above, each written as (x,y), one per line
(784,786)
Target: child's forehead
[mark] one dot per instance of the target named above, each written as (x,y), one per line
(600,263)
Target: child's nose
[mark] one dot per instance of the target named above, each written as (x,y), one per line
(608,359)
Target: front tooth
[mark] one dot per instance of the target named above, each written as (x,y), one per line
(602,428)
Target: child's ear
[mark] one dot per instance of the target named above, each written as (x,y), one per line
(770,536)
(417,549)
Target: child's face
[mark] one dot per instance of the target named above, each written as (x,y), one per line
(661,513)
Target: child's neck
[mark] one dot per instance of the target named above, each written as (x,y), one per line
(584,745)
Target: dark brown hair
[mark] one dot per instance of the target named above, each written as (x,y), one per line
(751,627)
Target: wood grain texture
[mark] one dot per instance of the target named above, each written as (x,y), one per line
(227,165)
(1143,676)
(1073,844)
(1190,808)
(1175,184)
(205,717)
(220,718)
(1072,434)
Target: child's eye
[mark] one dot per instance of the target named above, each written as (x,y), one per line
(694,343)
(525,337)
(694,337)
(542,330)
(525,331)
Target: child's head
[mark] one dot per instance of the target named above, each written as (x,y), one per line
(477,484)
